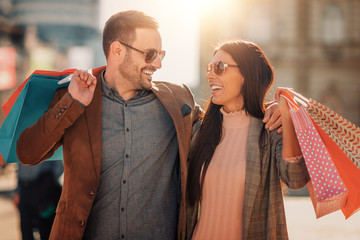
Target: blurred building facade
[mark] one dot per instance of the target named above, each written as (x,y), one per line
(47,35)
(313,45)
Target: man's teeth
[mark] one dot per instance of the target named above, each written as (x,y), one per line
(148,72)
(216,88)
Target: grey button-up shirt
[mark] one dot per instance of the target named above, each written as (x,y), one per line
(139,189)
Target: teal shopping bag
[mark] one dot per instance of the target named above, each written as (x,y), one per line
(30,105)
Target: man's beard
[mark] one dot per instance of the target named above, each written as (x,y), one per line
(133,74)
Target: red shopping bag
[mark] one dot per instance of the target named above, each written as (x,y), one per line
(341,138)
(349,173)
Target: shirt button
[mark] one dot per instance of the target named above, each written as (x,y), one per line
(92,193)
(82,223)
(127,129)
(122,209)
(126,104)
(122,236)
(127,155)
(124,182)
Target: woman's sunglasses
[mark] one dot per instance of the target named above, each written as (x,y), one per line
(219,67)
(150,54)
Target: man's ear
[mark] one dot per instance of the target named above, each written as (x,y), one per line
(117,49)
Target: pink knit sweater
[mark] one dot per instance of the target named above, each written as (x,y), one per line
(223,192)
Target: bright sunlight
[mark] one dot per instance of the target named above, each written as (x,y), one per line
(196,8)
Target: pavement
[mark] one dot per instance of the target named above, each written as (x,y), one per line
(9,216)
(301,219)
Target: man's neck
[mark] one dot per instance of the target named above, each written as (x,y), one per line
(121,85)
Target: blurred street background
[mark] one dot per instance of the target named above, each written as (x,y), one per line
(313,45)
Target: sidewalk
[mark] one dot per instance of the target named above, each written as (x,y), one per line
(301,220)
(303,225)
(9,217)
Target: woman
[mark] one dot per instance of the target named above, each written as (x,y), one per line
(236,164)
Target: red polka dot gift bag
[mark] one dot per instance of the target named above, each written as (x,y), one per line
(330,145)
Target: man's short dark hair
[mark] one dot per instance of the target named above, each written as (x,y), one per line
(121,27)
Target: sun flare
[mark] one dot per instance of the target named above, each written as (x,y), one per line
(196,8)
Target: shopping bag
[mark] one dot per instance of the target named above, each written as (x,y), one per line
(345,134)
(27,104)
(11,100)
(68,72)
(30,105)
(341,138)
(327,191)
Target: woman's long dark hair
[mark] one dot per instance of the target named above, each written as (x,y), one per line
(258,78)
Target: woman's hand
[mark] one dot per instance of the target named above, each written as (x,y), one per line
(291,146)
(283,105)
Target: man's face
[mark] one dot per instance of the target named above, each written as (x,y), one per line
(134,68)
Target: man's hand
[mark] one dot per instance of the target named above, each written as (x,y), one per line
(82,86)
(272,118)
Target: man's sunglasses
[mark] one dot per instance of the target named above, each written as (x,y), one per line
(219,67)
(150,54)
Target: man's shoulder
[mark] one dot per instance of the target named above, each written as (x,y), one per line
(174,87)
(180,91)
(170,84)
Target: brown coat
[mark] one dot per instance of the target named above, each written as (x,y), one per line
(78,130)
(264,215)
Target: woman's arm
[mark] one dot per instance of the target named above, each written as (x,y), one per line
(291,164)
(291,148)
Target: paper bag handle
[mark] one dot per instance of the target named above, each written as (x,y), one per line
(293,101)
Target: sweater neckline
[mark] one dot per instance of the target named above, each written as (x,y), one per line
(236,119)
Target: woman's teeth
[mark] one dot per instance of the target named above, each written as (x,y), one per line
(216,88)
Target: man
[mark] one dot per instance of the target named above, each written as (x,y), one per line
(125,141)
(36,196)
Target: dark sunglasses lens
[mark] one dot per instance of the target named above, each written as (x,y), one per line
(150,56)
(219,68)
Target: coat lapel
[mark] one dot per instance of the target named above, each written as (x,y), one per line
(253,170)
(93,118)
(168,100)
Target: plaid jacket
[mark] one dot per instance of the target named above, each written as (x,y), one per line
(264,215)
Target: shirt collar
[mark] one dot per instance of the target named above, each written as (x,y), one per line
(114,95)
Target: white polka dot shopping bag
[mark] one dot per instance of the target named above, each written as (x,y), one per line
(331,149)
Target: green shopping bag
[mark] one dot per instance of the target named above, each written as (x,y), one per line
(30,105)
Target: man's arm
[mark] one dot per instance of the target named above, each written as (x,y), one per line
(272,117)
(39,141)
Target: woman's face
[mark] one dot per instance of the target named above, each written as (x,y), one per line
(225,89)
